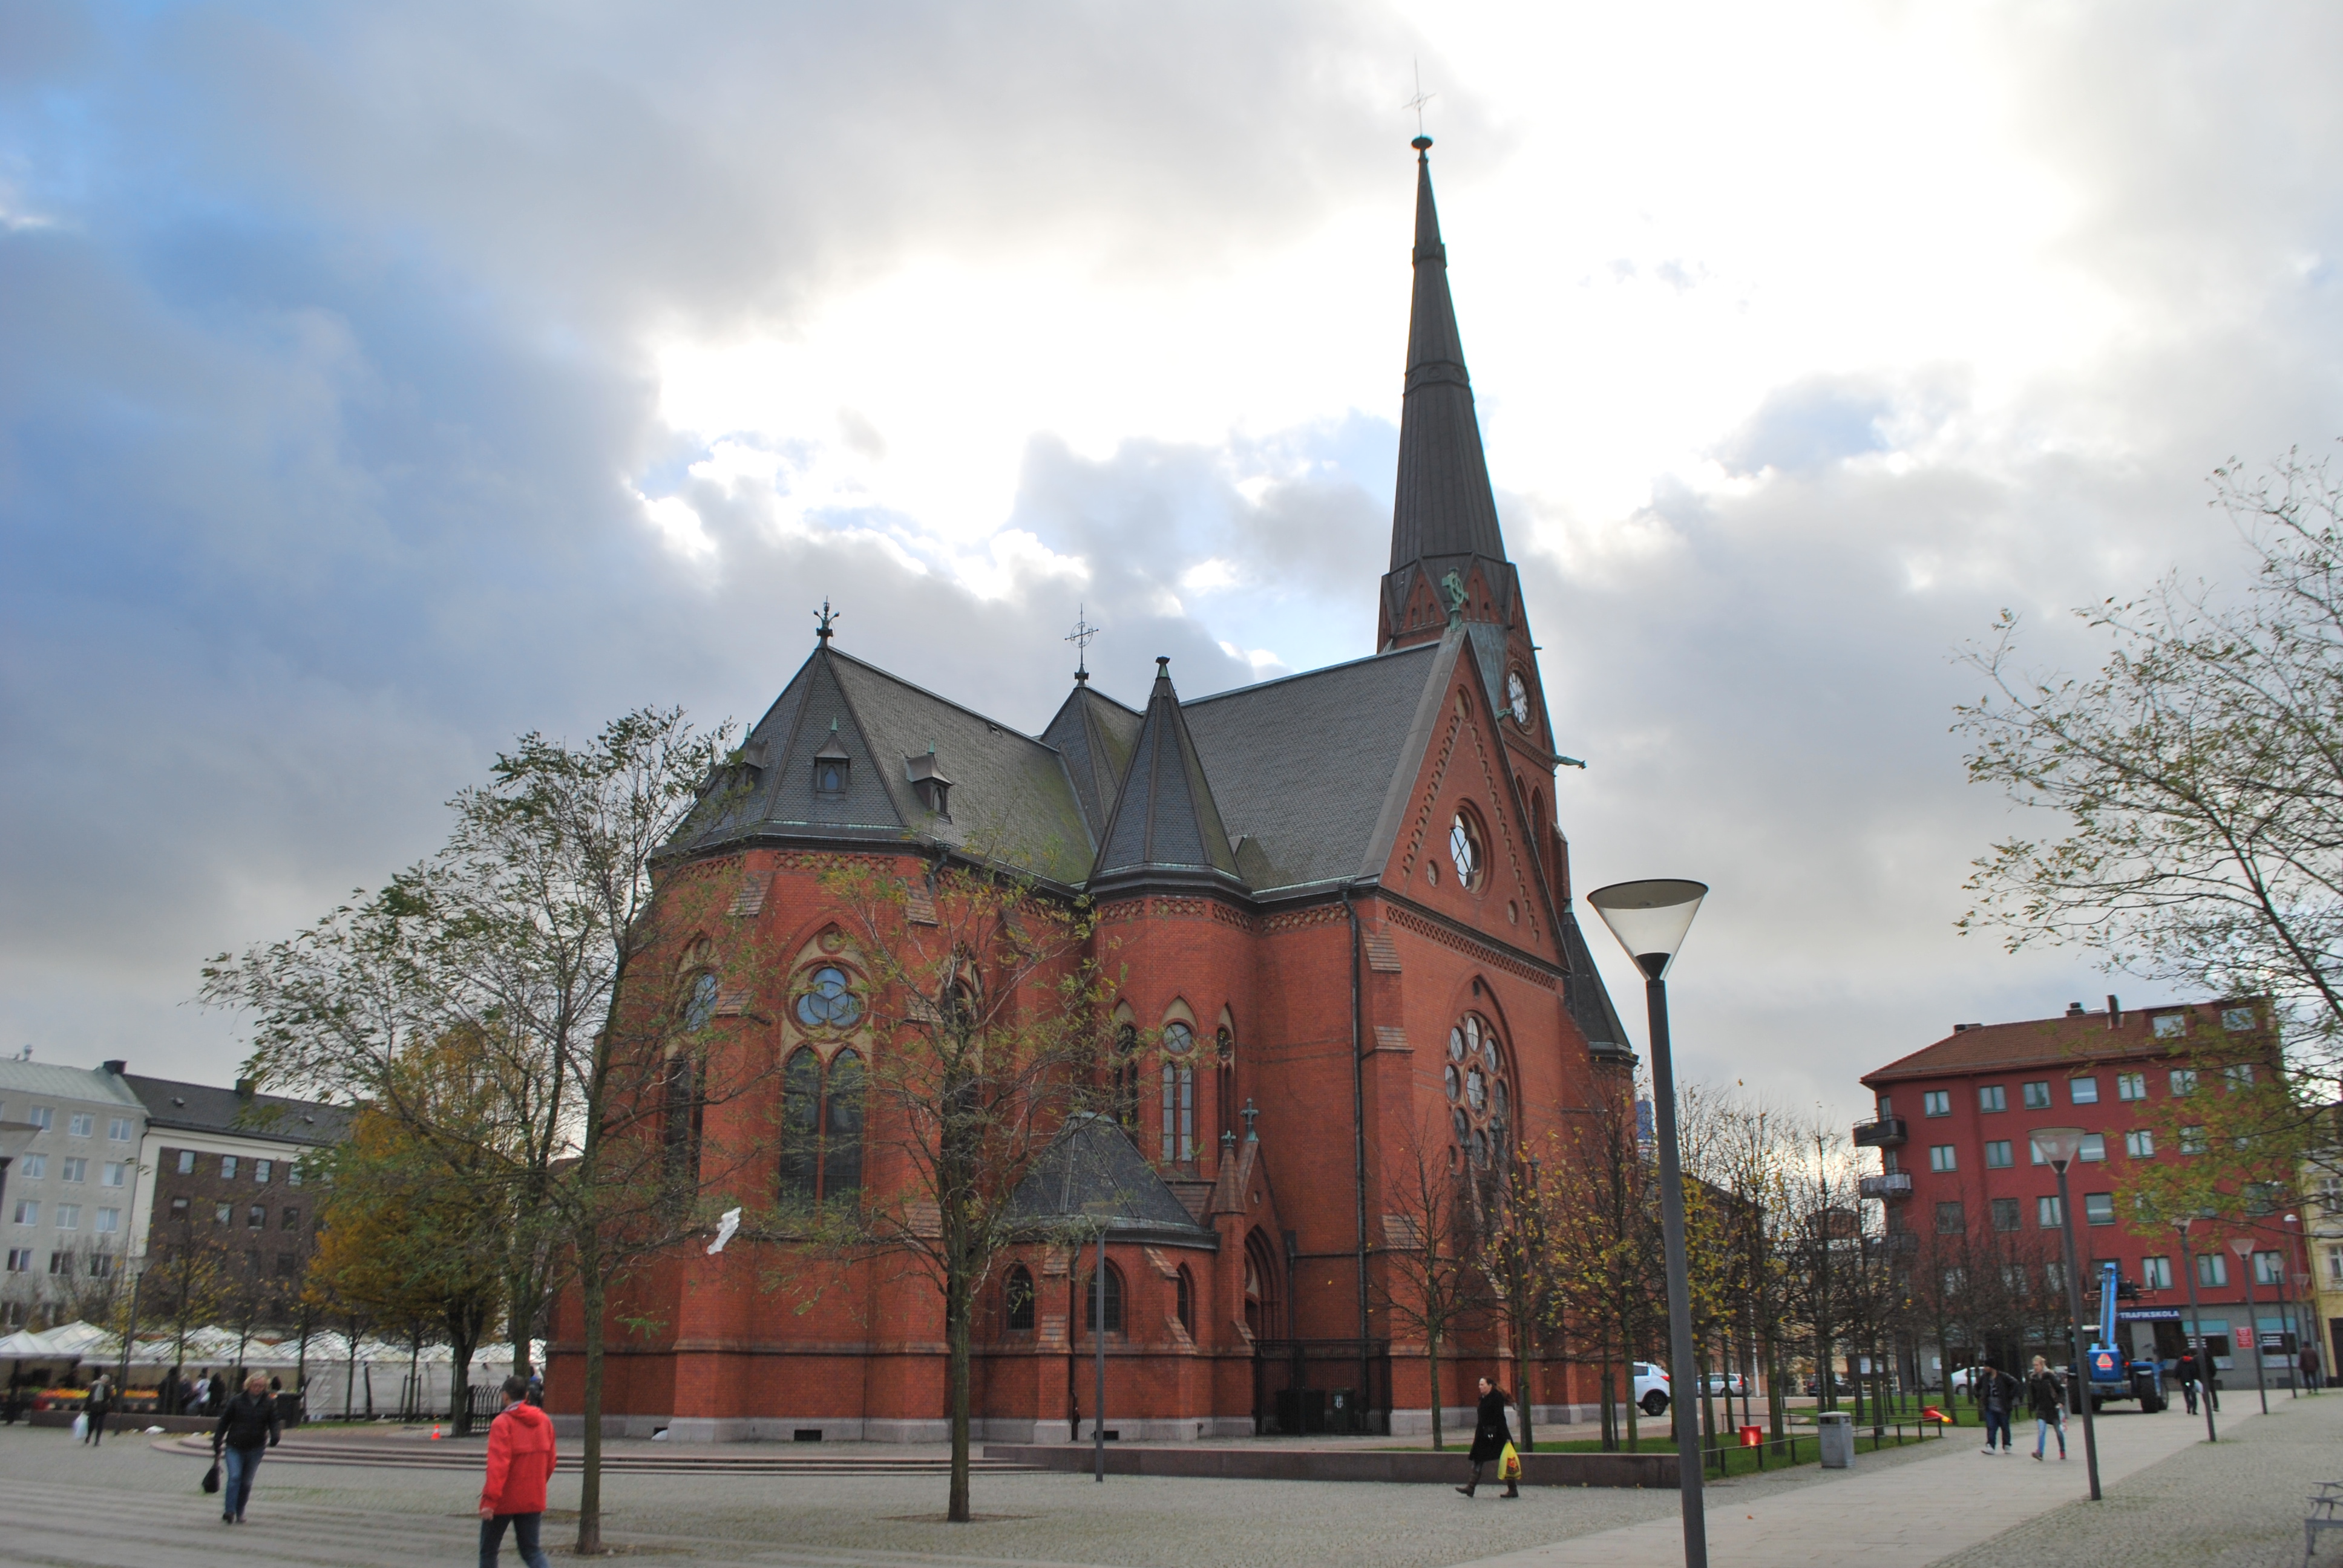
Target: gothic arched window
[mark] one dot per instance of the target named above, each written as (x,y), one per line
(1017,1298)
(1125,1071)
(1179,1121)
(822,1128)
(699,1002)
(1183,1302)
(1480,1106)
(1114,1300)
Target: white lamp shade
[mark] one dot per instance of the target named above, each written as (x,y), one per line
(2060,1145)
(2243,1246)
(1649,918)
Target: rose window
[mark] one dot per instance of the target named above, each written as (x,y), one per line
(828,1001)
(1478,1104)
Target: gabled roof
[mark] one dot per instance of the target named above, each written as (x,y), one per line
(172,1105)
(22,1083)
(1093,1176)
(1094,734)
(1315,769)
(2068,1040)
(1164,818)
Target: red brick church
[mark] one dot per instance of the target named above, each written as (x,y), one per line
(1340,905)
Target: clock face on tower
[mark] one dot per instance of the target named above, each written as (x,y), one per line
(1517,697)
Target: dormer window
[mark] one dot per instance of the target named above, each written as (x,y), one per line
(929,783)
(830,768)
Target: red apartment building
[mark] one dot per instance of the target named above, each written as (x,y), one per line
(1951,1130)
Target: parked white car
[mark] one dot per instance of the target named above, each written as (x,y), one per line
(1652,1387)
(1733,1385)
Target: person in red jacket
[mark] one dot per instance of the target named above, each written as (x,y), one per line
(520,1461)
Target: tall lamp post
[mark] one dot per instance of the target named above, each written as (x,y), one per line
(2060,1145)
(2243,1246)
(2196,1335)
(1650,919)
(2286,1314)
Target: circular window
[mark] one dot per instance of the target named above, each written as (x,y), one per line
(1480,1106)
(827,1002)
(1517,697)
(1179,1040)
(1464,849)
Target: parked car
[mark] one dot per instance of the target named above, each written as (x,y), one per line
(1652,1387)
(1731,1384)
(1841,1383)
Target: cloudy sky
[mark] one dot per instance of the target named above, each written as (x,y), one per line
(376,382)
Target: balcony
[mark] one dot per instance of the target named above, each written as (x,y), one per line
(1894,1185)
(1886,1132)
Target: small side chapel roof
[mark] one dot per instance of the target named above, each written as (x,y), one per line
(1093,1176)
(1165,818)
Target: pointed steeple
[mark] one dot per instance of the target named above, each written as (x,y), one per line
(1165,819)
(1443,505)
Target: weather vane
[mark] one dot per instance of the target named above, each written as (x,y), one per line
(823,619)
(1081,637)
(1420,100)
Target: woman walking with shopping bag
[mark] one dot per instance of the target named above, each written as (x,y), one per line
(1494,1439)
(2047,1398)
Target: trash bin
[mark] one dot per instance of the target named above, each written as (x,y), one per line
(1836,1429)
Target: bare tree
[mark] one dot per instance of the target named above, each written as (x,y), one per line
(1430,1281)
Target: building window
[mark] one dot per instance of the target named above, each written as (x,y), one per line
(101,1265)
(2192,1141)
(118,1129)
(1950,1219)
(186,1161)
(1125,1071)
(1941,1157)
(292,1219)
(2335,1267)
(2261,1198)
(27,1211)
(60,1262)
(109,1220)
(822,1128)
(2239,1074)
(1017,1298)
(2004,1214)
(1464,851)
(2155,1273)
(2131,1086)
(2140,1143)
(2269,1268)
(179,1207)
(1480,1107)
(287,1266)
(82,1124)
(2083,1091)
(262,1169)
(2099,1207)
(1997,1155)
(2094,1149)
(2236,1020)
(831,768)
(1114,1300)
(227,1167)
(20,1260)
(257,1217)
(36,1166)
(223,1214)
(1936,1103)
(68,1217)
(1953,1279)
(1183,1299)
(2170,1025)
(115,1169)
(2037,1095)
(2212,1269)
(699,1002)
(40,1116)
(1993,1097)
(1179,1112)
(72,1169)
(2047,1212)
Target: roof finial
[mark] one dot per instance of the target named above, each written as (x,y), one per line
(823,619)
(1417,103)
(1081,637)
(1162,666)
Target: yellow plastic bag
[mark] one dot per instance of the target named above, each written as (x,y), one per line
(1509,1464)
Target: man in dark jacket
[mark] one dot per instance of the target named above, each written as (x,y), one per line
(1997,1393)
(97,1408)
(246,1427)
(2184,1372)
(1490,1435)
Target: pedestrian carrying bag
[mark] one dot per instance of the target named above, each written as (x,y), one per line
(211,1477)
(1509,1464)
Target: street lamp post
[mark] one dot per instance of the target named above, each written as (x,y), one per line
(1650,919)
(2060,1145)
(2286,1315)
(2197,1331)
(2243,1246)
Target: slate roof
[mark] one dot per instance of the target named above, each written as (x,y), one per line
(1094,734)
(1093,1173)
(202,1108)
(1315,768)
(1583,993)
(1443,505)
(2050,1042)
(1164,816)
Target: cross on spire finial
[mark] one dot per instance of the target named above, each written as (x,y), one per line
(822,621)
(1081,637)
(1418,104)
(1248,1113)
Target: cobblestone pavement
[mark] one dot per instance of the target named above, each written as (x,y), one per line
(2238,1504)
(130,1505)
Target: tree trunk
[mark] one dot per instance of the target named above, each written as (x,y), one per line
(1431,1358)
(589,1484)
(956,1339)
(1522,1385)
(464,1325)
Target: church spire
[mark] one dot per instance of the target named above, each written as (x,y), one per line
(1442,505)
